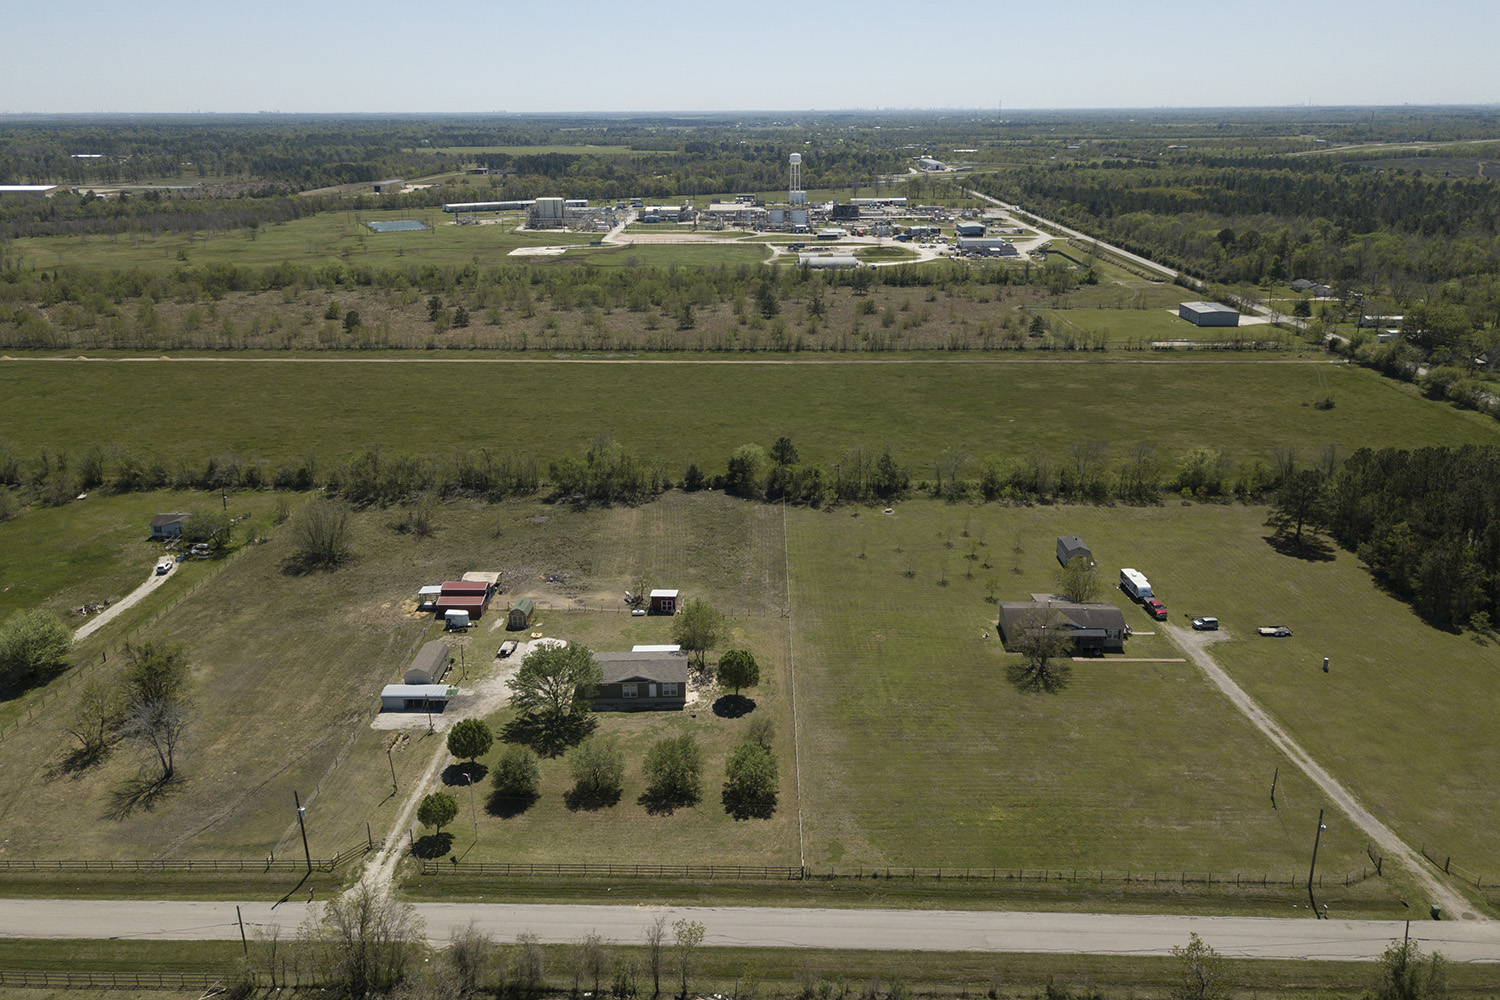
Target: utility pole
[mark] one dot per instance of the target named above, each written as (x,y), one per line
(1317,836)
(302,822)
(473,813)
(392,761)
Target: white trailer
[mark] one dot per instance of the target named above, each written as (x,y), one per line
(1135,584)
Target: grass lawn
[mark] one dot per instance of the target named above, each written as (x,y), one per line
(988,408)
(1139,327)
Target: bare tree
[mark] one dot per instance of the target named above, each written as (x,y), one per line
(470,954)
(1078,581)
(1044,643)
(321,534)
(364,940)
(528,963)
(687,936)
(656,936)
(96,713)
(157,726)
(1088,459)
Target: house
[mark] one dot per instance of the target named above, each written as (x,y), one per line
(641,681)
(415,697)
(1092,626)
(168,525)
(664,602)
(430,664)
(1069,546)
(520,614)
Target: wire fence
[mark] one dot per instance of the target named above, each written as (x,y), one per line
(264,865)
(75,979)
(805,873)
(1445,862)
(764,611)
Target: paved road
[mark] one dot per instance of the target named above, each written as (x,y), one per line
(765,927)
(1196,645)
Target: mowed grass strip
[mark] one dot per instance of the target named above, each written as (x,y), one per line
(195,409)
(927,755)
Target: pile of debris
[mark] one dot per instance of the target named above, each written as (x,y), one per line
(85,610)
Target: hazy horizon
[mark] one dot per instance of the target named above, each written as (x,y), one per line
(379,57)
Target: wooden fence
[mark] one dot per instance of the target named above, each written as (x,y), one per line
(1449,868)
(73,979)
(796,873)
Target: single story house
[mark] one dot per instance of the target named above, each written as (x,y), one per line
(1069,546)
(168,525)
(415,697)
(1092,626)
(639,681)
(520,614)
(430,664)
(664,602)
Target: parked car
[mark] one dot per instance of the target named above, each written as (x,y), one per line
(1156,609)
(1206,624)
(164,567)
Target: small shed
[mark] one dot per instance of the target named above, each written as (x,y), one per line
(1208,314)
(520,614)
(168,525)
(1070,546)
(664,602)
(415,697)
(427,597)
(430,664)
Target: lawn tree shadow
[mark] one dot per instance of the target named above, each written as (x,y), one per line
(38,680)
(431,846)
(1049,677)
(80,759)
(742,807)
(1313,548)
(662,804)
(548,737)
(581,799)
(733,706)
(141,792)
(508,806)
(455,774)
(298,565)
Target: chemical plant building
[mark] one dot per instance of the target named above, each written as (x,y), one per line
(825,262)
(1208,314)
(974,229)
(988,245)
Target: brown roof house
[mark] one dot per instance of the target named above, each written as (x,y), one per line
(1092,626)
(637,681)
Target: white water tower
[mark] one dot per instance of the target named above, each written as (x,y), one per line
(796,196)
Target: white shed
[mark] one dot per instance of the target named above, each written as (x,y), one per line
(415,697)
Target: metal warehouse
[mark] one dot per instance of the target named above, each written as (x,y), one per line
(1208,314)
(827,261)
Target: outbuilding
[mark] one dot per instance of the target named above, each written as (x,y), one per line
(168,525)
(520,614)
(430,665)
(1208,314)
(1069,547)
(415,697)
(664,602)
(472,596)
(823,262)
(989,244)
(969,228)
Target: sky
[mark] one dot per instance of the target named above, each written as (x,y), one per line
(672,55)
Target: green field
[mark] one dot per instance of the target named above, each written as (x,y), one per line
(195,409)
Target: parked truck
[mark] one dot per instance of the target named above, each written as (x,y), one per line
(1135,584)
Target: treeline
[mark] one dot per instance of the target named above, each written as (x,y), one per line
(1427,523)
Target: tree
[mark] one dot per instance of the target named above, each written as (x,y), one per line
(33,645)
(156,671)
(469,955)
(697,628)
(783,452)
(1300,502)
(437,810)
(97,712)
(598,769)
(556,682)
(470,739)
(364,941)
(750,781)
(738,669)
(1043,641)
(517,774)
(158,726)
(528,964)
(687,935)
(761,731)
(1406,975)
(1078,581)
(321,534)
(746,476)
(674,768)
(656,936)
(351,321)
(1200,971)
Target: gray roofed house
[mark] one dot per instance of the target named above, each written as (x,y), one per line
(1092,626)
(634,681)
(168,525)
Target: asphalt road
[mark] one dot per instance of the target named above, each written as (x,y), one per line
(767,927)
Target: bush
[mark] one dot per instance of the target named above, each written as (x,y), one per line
(674,767)
(33,644)
(517,773)
(598,768)
(470,739)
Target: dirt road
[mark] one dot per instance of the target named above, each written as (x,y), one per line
(1196,645)
(130,600)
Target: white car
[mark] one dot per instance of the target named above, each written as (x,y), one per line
(164,567)
(1206,624)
